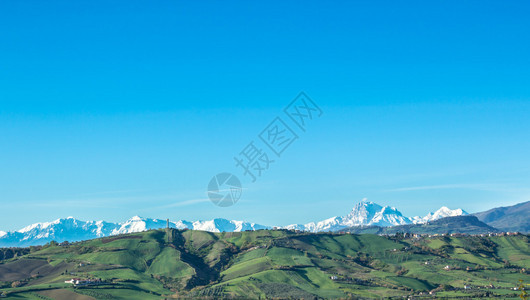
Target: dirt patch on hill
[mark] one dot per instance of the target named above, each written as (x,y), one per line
(63,294)
(25,268)
(121,237)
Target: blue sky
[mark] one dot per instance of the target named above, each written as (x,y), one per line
(122,108)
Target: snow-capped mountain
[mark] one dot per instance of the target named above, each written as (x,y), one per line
(136,224)
(372,214)
(362,214)
(71,229)
(223,225)
(60,230)
(443,212)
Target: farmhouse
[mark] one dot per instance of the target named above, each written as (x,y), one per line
(79,281)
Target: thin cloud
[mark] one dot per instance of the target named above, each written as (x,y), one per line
(106,202)
(72,204)
(184,203)
(438,187)
(469,186)
(114,192)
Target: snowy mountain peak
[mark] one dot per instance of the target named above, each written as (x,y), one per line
(443,212)
(368,213)
(71,229)
(447,212)
(364,213)
(37,226)
(366,205)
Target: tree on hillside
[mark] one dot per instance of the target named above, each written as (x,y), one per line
(522,288)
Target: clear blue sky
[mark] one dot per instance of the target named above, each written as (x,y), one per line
(122,108)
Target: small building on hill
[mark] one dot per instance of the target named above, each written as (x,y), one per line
(79,281)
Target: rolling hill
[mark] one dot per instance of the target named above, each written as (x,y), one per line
(158,264)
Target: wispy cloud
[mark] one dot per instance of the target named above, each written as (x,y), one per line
(72,204)
(491,187)
(113,192)
(97,202)
(439,187)
(114,201)
(183,203)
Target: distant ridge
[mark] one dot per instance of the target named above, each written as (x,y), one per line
(458,224)
(510,218)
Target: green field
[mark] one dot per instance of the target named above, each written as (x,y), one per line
(277,264)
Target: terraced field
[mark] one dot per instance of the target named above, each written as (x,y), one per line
(160,264)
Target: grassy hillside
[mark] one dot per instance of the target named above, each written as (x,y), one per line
(160,264)
(458,224)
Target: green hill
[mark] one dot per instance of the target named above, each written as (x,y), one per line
(458,224)
(278,264)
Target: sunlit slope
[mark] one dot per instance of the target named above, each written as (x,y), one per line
(269,263)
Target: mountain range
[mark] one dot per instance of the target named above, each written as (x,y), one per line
(71,229)
(381,219)
(372,214)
